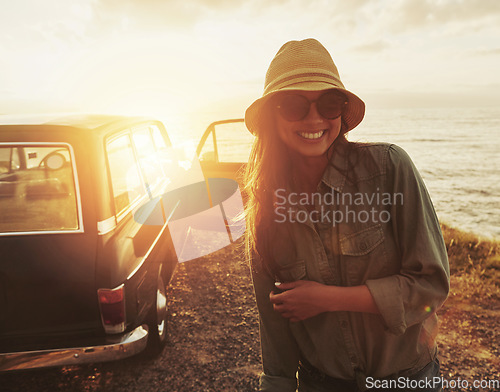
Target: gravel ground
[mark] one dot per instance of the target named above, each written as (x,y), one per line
(213,339)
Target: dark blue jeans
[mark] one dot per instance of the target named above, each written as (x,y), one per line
(425,380)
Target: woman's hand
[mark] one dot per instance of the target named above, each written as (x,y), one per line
(301,299)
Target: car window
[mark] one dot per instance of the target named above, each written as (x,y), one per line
(166,156)
(159,140)
(148,159)
(125,178)
(207,152)
(234,142)
(37,189)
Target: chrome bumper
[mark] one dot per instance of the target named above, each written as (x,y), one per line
(126,346)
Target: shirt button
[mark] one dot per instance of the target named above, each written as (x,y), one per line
(344,324)
(354,360)
(362,246)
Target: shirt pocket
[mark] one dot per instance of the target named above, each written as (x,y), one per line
(293,271)
(363,255)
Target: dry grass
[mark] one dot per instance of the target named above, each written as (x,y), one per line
(474,265)
(470,318)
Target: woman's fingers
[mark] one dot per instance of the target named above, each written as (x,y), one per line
(284,310)
(279,307)
(276,297)
(300,300)
(284,289)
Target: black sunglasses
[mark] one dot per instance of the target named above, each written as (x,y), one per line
(295,107)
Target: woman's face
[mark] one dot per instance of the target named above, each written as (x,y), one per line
(312,135)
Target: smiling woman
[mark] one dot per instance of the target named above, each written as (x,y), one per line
(347,291)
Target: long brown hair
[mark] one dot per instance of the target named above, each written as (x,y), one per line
(269,168)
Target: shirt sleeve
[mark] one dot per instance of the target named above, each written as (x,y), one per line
(280,353)
(422,285)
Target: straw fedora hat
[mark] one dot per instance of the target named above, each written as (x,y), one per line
(302,65)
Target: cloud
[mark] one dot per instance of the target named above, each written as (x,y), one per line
(394,20)
(487,52)
(146,14)
(154,14)
(419,13)
(27,23)
(372,47)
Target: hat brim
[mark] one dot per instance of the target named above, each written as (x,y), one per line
(255,118)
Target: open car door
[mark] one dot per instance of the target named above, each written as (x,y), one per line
(224,149)
(209,214)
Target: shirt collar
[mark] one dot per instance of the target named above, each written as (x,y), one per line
(336,172)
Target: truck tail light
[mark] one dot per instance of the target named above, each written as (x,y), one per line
(112,305)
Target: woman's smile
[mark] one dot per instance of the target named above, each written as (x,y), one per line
(312,136)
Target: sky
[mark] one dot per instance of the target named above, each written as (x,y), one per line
(193,62)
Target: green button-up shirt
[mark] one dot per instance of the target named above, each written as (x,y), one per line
(373,224)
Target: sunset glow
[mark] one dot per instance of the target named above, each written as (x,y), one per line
(193,63)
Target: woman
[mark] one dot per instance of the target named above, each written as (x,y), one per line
(348,261)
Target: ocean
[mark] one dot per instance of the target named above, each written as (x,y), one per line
(456,150)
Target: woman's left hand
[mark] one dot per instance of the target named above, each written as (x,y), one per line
(301,299)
